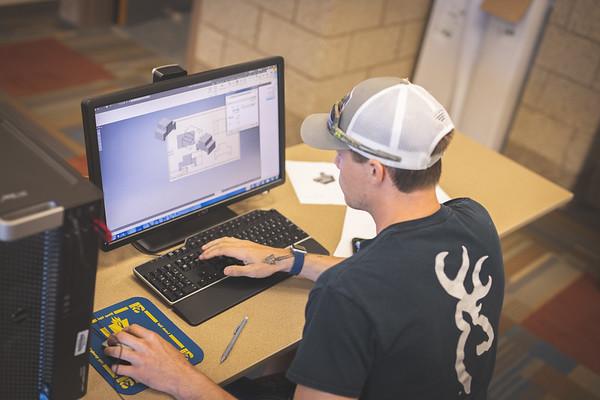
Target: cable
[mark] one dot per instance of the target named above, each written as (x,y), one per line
(101,228)
(120,354)
(102,337)
(81,246)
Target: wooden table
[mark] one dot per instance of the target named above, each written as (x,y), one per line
(513,195)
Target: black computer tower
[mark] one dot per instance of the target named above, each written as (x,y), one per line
(48,260)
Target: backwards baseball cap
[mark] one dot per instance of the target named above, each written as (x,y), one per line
(387,119)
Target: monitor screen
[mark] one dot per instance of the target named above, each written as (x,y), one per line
(165,151)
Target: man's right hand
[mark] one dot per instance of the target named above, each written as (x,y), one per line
(252,254)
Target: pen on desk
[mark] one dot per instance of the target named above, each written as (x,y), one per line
(236,335)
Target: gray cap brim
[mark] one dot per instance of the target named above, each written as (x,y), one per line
(314,132)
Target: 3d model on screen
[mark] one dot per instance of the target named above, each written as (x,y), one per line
(163,128)
(206,143)
(188,160)
(186,139)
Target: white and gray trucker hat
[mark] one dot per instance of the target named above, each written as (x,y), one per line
(388,115)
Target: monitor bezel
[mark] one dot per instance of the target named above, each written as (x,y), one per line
(89,105)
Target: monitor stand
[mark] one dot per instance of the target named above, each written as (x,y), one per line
(176,233)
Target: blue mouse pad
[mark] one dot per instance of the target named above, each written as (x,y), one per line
(136,310)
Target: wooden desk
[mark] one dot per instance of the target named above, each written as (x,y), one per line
(513,195)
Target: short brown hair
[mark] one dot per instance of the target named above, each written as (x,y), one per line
(408,181)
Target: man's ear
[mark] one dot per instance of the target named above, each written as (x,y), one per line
(376,171)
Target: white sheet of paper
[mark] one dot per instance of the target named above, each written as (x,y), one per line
(357,223)
(360,224)
(441,195)
(302,175)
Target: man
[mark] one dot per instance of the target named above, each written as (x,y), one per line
(414,314)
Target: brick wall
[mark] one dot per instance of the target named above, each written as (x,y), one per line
(328,45)
(560,110)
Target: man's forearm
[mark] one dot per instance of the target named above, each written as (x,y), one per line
(315,264)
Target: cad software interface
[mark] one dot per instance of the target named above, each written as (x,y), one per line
(171,153)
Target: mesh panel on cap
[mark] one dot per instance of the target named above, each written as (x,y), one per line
(374,124)
(416,131)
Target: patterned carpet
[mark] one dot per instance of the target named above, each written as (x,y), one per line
(47,69)
(550,330)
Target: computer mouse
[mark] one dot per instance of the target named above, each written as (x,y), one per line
(115,360)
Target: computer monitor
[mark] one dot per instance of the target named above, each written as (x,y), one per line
(169,156)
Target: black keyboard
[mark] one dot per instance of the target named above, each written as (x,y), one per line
(179,273)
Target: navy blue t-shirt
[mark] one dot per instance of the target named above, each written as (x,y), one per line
(413,315)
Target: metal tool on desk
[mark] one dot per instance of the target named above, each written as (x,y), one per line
(236,335)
